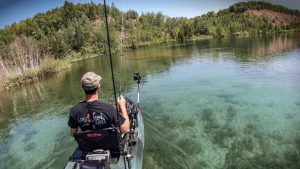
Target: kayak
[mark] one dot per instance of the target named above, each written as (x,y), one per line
(105,150)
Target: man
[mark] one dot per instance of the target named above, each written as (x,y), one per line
(92,114)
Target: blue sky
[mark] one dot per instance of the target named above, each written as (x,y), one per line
(16,10)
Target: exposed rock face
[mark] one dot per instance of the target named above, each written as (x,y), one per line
(276,18)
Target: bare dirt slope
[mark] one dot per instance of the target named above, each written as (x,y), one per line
(276,18)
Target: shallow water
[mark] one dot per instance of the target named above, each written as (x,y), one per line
(231,103)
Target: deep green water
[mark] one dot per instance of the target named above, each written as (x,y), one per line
(230,103)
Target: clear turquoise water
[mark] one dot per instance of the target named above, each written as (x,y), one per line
(231,103)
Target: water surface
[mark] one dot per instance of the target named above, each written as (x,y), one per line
(230,103)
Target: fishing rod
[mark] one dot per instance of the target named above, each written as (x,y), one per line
(111,63)
(113,77)
(126,155)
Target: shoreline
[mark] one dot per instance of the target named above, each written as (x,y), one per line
(32,76)
(88,57)
(45,70)
(50,69)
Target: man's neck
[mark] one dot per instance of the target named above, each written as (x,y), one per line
(90,98)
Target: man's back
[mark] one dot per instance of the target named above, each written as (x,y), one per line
(93,115)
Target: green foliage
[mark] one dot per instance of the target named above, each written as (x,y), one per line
(78,30)
(131,14)
(80,27)
(185,31)
(92,12)
(219,32)
(59,46)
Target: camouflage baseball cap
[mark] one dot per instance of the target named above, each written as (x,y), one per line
(90,81)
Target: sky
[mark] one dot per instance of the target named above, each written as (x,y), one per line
(17,10)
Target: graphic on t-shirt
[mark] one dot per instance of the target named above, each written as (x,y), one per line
(97,119)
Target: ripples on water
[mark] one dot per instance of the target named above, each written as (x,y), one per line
(231,103)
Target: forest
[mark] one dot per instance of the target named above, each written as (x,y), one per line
(42,45)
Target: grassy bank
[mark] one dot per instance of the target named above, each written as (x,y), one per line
(52,66)
(48,67)
(202,37)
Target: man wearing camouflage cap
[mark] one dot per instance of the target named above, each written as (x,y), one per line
(92,114)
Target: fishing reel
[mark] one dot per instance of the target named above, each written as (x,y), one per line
(131,107)
(132,110)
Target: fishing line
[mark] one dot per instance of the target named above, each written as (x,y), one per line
(122,52)
(121,63)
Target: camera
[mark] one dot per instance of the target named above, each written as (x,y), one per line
(137,77)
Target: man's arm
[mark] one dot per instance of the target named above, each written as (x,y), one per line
(72,123)
(125,127)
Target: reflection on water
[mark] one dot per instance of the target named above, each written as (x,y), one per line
(229,103)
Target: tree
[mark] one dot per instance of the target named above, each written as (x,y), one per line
(58,46)
(92,13)
(69,12)
(219,32)
(131,14)
(185,31)
(158,20)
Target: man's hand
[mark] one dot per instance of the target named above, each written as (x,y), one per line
(73,130)
(125,127)
(121,103)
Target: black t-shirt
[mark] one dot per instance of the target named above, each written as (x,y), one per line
(93,116)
